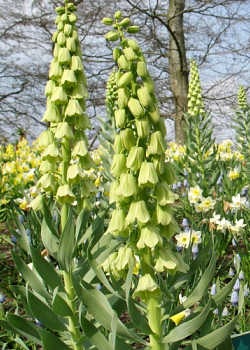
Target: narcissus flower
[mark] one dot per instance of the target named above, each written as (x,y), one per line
(194,194)
(238,202)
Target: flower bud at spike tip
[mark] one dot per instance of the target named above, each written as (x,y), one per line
(125,22)
(133,29)
(107,21)
(118,15)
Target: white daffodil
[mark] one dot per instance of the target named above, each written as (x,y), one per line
(198,207)
(223,225)
(233,174)
(215,219)
(183,239)
(238,202)
(195,238)
(194,194)
(207,203)
(239,224)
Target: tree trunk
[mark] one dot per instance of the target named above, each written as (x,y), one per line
(178,68)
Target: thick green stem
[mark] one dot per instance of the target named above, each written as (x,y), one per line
(154,321)
(153,303)
(74,327)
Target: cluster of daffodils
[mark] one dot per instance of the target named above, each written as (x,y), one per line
(19,163)
(187,238)
(65,156)
(175,152)
(201,204)
(140,189)
(227,151)
(222,224)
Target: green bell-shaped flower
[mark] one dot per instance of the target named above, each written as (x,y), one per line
(51,115)
(118,165)
(153,113)
(71,45)
(83,122)
(163,193)
(65,195)
(127,138)
(118,145)
(157,144)
(124,258)
(64,130)
(120,118)
(52,153)
(138,211)
(118,224)
(149,237)
(46,167)
(80,92)
(123,97)
(142,126)
(67,29)
(128,186)
(74,174)
(135,158)
(59,96)
(147,175)
(162,215)
(73,109)
(51,84)
(159,162)
(64,56)
(68,78)
(147,287)
(165,259)
(80,149)
(46,138)
(76,64)
(113,197)
(47,182)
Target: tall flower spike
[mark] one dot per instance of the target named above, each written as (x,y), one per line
(242,102)
(139,138)
(195,104)
(66,92)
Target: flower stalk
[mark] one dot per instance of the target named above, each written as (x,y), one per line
(139,168)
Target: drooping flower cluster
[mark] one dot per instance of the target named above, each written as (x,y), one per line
(66,155)
(140,189)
